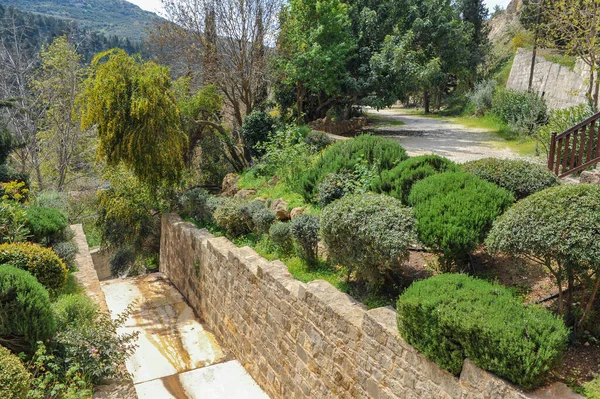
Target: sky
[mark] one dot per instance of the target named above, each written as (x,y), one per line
(155,5)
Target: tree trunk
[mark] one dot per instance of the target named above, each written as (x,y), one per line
(590,302)
(299,102)
(426,101)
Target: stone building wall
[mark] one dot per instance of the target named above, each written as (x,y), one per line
(561,87)
(305,340)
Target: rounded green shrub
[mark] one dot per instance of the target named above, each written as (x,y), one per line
(228,216)
(369,234)
(45,223)
(73,310)
(335,186)
(520,177)
(348,155)
(14,377)
(281,235)
(41,262)
(305,231)
(557,228)
(257,216)
(398,181)
(67,251)
(454,212)
(256,128)
(450,317)
(25,311)
(318,141)
(198,204)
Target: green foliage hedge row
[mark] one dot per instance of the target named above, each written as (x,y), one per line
(369,234)
(41,262)
(450,317)
(346,155)
(45,223)
(520,177)
(398,181)
(25,311)
(14,378)
(454,212)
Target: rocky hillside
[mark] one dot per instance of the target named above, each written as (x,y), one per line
(111,17)
(506,24)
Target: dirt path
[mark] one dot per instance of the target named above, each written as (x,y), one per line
(422,135)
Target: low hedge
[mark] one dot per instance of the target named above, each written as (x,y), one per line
(25,312)
(520,177)
(41,262)
(347,155)
(369,234)
(14,378)
(454,213)
(450,317)
(398,181)
(45,223)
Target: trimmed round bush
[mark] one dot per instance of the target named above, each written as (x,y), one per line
(557,228)
(305,231)
(398,181)
(256,128)
(522,178)
(335,186)
(198,204)
(318,141)
(454,212)
(228,216)
(369,234)
(348,155)
(123,258)
(14,377)
(45,223)
(41,262)
(450,317)
(25,311)
(257,216)
(66,250)
(281,235)
(74,310)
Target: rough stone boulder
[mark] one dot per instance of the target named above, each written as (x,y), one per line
(294,213)
(229,187)
(590,176)
(280,206)
(244,194)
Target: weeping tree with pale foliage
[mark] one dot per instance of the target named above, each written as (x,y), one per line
(133,108)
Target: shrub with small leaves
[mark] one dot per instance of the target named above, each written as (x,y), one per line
(524,112)
(454,212)
(369,234)
(318,141)
(482,96)
(25,311)
(14,378)
(305,231)
(121,260)
(74,309)
(13,222)
(198,204)
(45,223)
(228,216)
(520,177)
(257,216)
(256,128)
(335,186)
(41,262)
(66,250)
(398,181)
(450,317)
(281,235)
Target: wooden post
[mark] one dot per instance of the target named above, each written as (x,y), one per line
(552,151)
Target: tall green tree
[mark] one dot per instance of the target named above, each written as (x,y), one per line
(315,45)
(66,151)
(474,13)
(132,105)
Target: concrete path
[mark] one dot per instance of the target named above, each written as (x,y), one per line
(422,135)
(177,357)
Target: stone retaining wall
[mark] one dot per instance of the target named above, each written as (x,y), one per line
(341,127)
(305,340)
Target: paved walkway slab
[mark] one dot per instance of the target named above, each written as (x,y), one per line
(176,356)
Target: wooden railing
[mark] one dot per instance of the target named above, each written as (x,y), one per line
(575,149)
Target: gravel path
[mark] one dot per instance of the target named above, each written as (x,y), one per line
(421,135)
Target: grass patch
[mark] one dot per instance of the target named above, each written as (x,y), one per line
(504,72)
(382,121)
